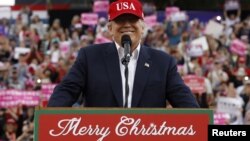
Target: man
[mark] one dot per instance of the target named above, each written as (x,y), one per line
(99,73)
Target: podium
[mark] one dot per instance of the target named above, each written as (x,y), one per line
(115,124)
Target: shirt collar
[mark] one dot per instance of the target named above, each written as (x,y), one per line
(135,53)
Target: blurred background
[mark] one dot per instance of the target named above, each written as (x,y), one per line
(40,40)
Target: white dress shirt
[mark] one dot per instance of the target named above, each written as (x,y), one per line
(131,71)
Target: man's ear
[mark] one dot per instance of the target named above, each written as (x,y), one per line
(143,27)
(109,25)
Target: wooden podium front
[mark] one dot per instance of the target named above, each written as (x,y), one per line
(114,124)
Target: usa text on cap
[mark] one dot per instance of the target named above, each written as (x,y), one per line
(120,7)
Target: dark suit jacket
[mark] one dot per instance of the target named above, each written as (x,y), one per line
(96,73)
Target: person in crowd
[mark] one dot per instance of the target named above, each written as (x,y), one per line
(10,130)
(247,118)
(217,75)
(244,93)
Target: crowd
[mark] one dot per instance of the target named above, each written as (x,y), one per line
(32,54)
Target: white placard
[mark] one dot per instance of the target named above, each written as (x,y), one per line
(229,105)
(202,41)
(214,29)
(178,16)
(5,12)
(232,5)
(194,50)
(7,2)
(20,50)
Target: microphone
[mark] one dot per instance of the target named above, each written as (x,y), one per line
(126,44)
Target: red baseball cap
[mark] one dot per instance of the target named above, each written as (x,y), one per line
(120,7)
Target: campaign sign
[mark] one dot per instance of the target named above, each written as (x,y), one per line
(195,83)
(171,10)
(65,48)
(194,50)
(47,90)
(151,21)
(116,124)
(101,6)
(178,16)
(231,5)
(20,50)
(11,98)
(238,47)
(201,41)
(89,18)
(220,118)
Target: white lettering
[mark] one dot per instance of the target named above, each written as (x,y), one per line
(132,6)
(243,133)
(130,126)
(230,133)
(121,131)
(68,126)
(125,6)
(126,126)
(215,131)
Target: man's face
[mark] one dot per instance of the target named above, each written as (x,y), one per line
(127,24)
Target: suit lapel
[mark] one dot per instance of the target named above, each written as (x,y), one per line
(141,75)
(113,67)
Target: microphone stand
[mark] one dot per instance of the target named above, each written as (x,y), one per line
(125,60)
